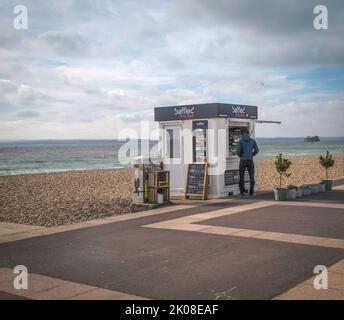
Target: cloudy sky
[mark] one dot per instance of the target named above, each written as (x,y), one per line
(88,69)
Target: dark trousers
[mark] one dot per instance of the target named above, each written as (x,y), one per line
(249,164)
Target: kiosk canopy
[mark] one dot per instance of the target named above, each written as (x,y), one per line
(205,111)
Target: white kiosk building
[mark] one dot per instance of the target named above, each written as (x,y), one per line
(204,133)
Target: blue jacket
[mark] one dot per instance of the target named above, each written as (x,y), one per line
(247,148)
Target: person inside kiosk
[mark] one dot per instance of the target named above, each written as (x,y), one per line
(246,149)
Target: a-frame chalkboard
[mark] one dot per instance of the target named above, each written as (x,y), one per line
(196,180)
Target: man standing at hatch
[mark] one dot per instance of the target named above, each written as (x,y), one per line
(247,148)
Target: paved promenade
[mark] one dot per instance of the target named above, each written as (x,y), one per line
(239,248)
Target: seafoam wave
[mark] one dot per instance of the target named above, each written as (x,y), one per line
(63,155)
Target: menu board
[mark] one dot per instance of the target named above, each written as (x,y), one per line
(196,182)
(199,129)
(234,136)
(232,177)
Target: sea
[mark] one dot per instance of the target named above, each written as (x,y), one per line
(35,156)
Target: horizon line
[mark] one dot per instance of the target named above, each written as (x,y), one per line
(114,139)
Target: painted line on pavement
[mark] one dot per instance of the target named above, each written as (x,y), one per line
(307,291)
(20,231)
(42,287)
(189,223)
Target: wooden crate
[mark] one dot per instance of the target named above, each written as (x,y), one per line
(158,182)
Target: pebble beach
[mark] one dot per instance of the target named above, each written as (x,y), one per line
(304,169)
(51,199)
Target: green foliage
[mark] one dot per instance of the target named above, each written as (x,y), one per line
(327,162)
(282,165)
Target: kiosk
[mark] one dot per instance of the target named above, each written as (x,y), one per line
(204,133)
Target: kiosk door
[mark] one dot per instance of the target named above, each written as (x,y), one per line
(173,157)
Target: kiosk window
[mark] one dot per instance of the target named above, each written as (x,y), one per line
(234,135)
(173,143)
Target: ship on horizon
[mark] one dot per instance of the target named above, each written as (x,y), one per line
(312,139)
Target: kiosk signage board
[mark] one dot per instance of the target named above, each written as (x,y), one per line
(196,182)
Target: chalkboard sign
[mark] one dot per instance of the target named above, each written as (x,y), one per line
(232,177)
(196,182)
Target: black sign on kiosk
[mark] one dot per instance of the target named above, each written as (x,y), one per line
(196,181)
(232,177)
(199,140)
(205,111)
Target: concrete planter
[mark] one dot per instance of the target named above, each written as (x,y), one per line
(291,194)
(314,188)
(160,198)
(281,194)
(328,184)
(322,187)
(298,193)
(306,190)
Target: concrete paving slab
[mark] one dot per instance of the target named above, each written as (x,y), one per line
(270,235)
(7,228)
(335,281)
(188,227)
(305,289)
(42,287)
(310,221)
(296,238)
(172,264)
(103,294)
(338,243)
(308,292)
(13,232)
(6,275)
(334,196)
(338,267)
(161,264)
(247,233)
(8,296)
(36,283)
(300,203)
(222,230)
(62,292)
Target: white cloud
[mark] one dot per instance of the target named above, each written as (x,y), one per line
(65,43)
(304,118)
(88,69)
(18,94)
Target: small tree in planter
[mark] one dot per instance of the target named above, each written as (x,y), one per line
(282,165)
(327,162)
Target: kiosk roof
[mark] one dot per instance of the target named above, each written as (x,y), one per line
(205,111)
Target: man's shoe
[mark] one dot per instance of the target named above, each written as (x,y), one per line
(243,194)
